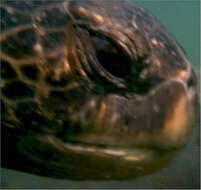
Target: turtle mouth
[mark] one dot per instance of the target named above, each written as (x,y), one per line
(125,153)
(129,154)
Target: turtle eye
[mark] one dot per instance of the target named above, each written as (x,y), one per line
(111,57)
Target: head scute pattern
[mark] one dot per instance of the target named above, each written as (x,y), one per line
(91,90)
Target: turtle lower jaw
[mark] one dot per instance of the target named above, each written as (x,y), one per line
(124,153)
(87,162)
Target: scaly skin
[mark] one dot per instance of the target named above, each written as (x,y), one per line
(91,90)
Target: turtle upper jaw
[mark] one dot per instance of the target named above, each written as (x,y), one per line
(162,118)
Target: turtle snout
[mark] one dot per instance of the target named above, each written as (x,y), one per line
(189,79)
(191,84)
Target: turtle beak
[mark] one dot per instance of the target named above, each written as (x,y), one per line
(180,121)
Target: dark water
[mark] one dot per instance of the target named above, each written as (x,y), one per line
(183,21)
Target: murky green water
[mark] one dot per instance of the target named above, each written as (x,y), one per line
(183,20)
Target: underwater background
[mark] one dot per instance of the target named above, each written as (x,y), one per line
(182,19)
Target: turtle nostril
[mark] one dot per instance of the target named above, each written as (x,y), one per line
(191,85)
(191,82)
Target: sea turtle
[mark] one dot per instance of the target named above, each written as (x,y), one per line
(91,89)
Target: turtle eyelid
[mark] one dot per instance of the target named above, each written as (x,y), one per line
(111,56)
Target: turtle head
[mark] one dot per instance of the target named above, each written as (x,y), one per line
(113,97)
(129,101)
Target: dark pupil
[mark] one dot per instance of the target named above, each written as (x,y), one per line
(111,58)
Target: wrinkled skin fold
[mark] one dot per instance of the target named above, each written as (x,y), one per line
(92,90)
